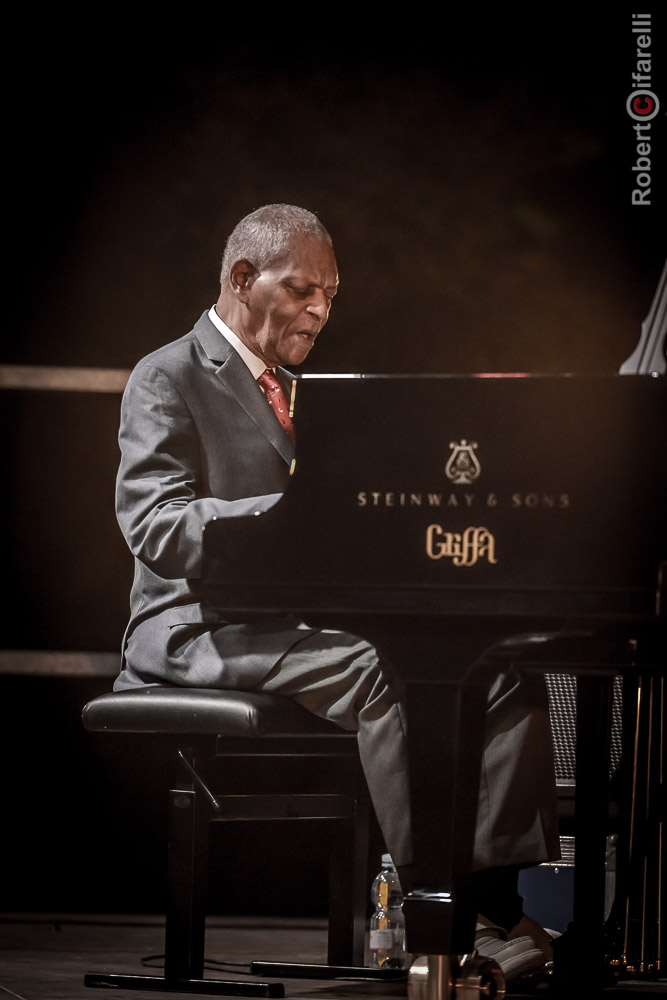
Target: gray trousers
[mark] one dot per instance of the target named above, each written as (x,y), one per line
(340,678)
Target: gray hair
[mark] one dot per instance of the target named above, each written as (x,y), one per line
(265,235)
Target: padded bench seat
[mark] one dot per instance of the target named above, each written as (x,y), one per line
(203,712)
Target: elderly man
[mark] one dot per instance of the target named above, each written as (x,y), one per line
(205,433)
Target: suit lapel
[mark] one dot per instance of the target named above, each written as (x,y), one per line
(237,379)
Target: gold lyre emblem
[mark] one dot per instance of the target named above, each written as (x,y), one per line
(462,467)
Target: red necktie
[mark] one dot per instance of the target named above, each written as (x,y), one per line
(276,400)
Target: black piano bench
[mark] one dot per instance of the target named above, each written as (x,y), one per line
(207,730)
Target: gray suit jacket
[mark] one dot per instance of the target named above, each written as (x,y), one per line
(198,441)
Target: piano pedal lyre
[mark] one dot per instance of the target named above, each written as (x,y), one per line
(441,977)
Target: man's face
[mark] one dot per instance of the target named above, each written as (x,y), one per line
(287,303)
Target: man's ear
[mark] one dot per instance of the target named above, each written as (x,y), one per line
(242,276)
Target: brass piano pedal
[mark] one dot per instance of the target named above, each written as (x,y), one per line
(441,977)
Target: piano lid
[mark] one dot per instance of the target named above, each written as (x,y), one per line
(451,494)
(650,354)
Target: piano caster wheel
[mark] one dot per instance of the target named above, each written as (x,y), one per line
(479,977)
(436,978)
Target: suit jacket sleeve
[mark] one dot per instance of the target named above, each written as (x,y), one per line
(162,496)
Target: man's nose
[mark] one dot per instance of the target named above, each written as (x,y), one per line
(319,306)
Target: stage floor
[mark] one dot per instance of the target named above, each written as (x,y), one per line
(45,956)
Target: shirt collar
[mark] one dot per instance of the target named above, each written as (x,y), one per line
(255,364)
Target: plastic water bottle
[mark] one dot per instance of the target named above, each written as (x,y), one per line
(387,938)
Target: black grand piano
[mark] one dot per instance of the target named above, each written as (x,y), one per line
(459,522)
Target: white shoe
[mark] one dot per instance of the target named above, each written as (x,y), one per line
(514,957)
(542,936)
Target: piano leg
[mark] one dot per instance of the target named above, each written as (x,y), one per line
(446,725)
(448,674)
(445,738)
(431,978)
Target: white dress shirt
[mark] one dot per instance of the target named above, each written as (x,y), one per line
(255,364)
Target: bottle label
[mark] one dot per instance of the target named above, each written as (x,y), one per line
(382,939)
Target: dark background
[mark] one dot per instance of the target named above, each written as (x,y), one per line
(475,174)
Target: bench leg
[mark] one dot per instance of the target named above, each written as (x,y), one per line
(187,867)
(348,888)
